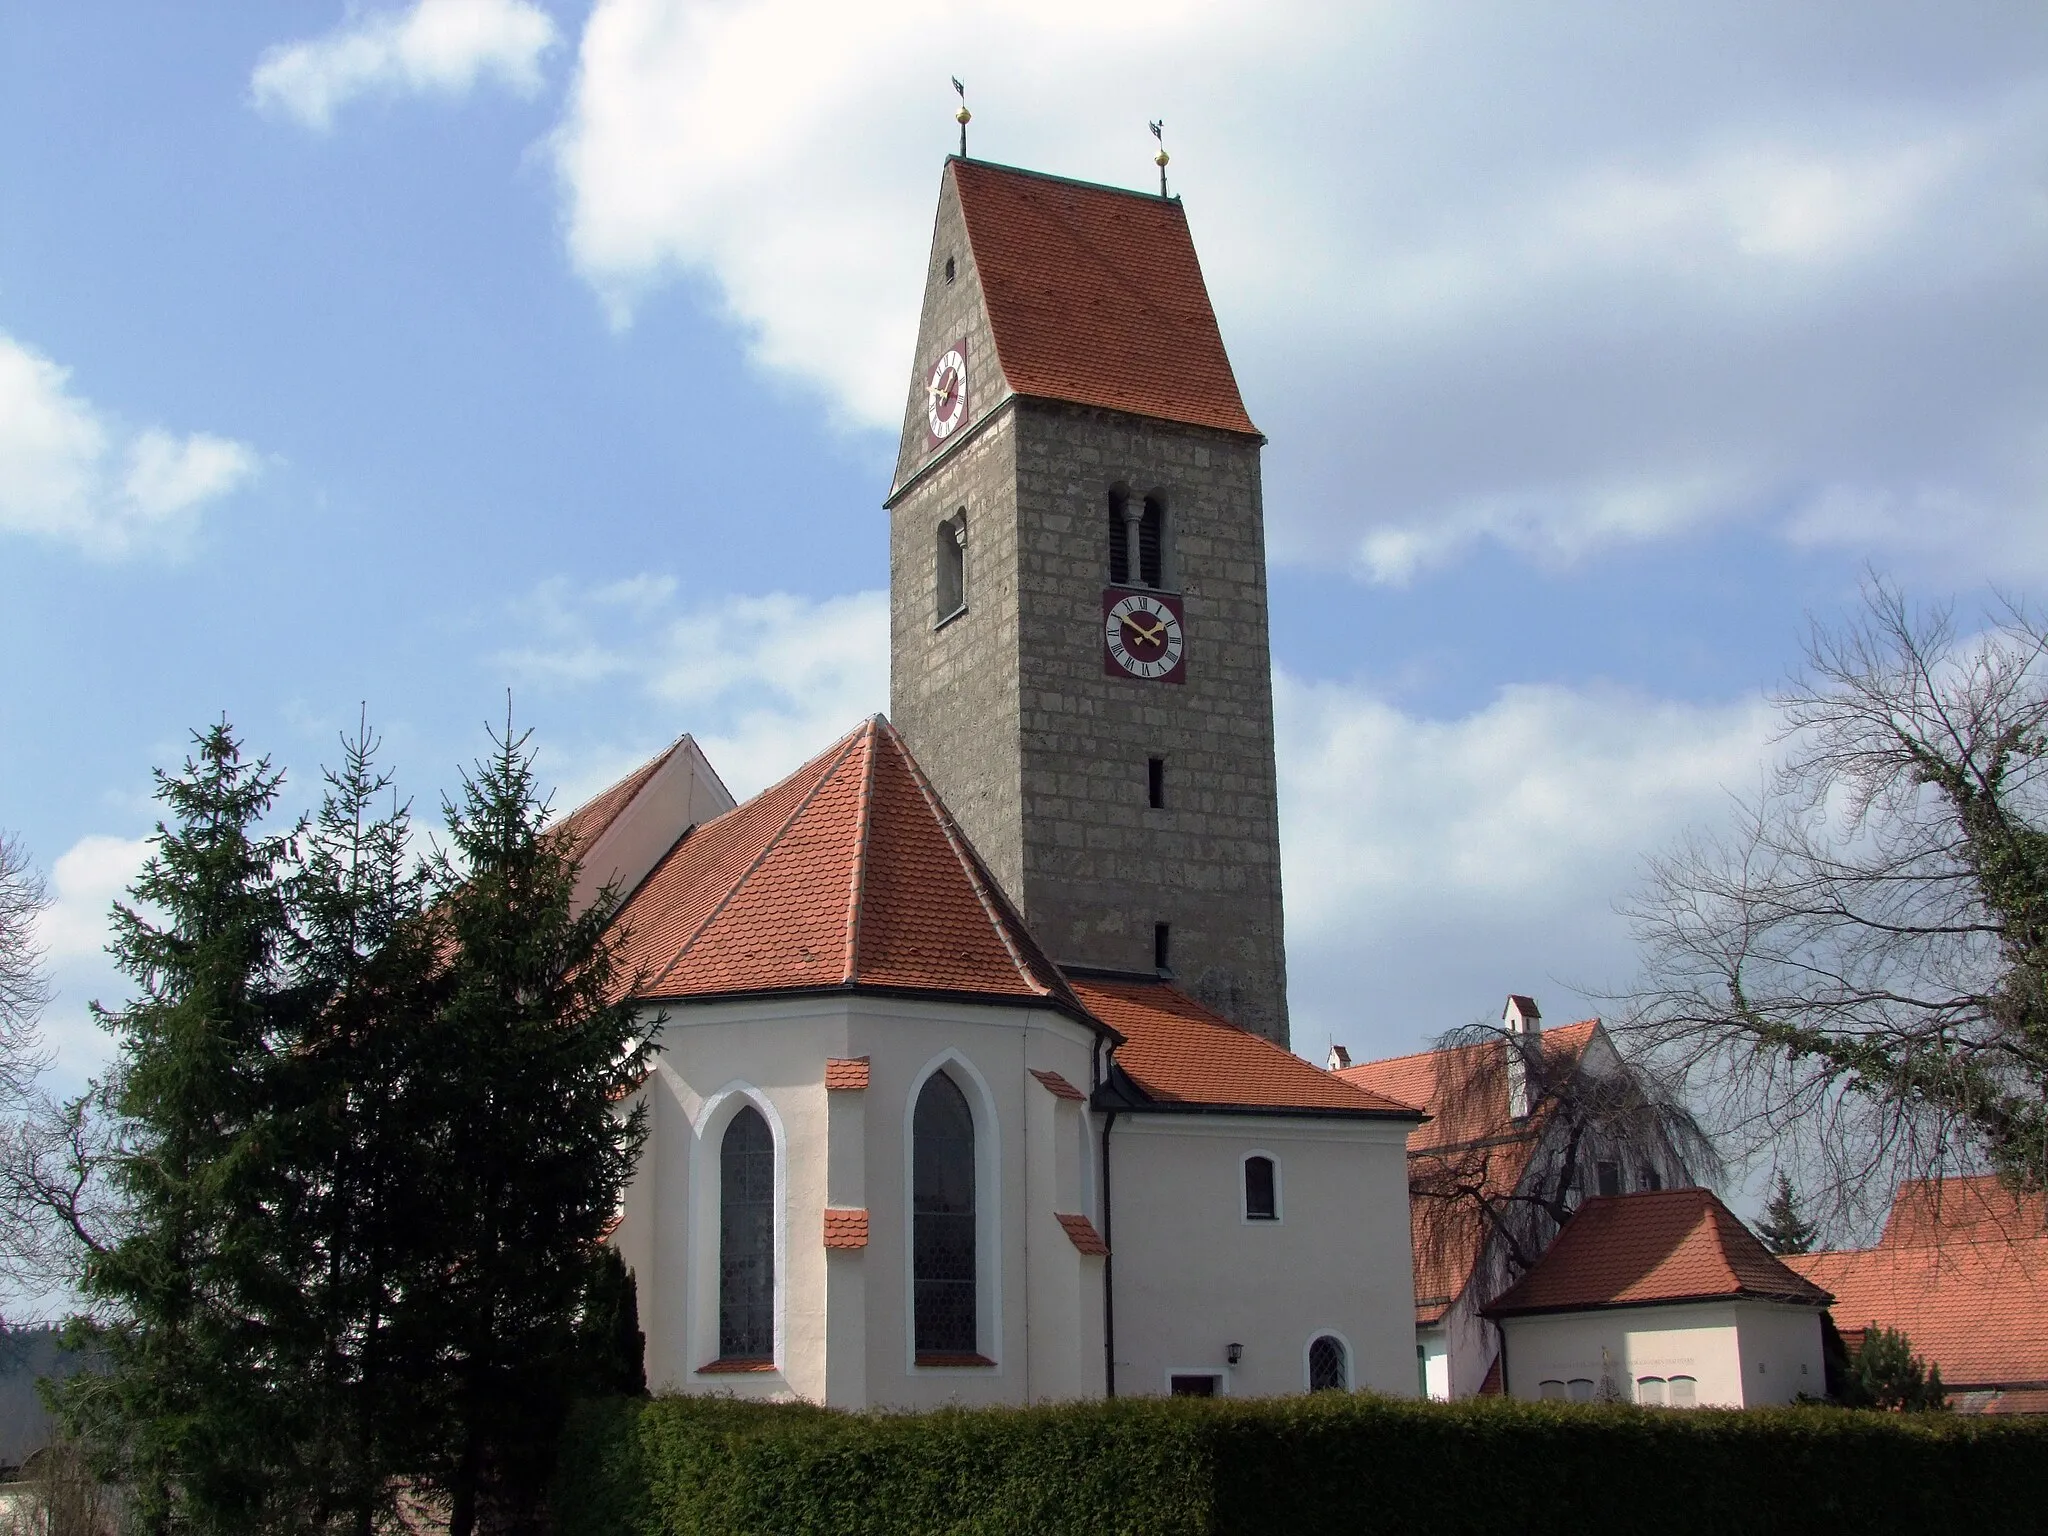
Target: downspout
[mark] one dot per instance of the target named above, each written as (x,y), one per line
(1108,1272)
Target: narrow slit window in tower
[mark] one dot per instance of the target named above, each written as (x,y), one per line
(951,566)
(1162,947)
(1155,782)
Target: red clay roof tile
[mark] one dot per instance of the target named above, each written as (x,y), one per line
(845,1228)
(846,1074)
(1081,1232)
(847,874)
(1181,1053)
(1667,1245)
(1058,1086)
(1095,295)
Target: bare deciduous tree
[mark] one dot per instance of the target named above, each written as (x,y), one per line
(23,988)
(1594,1123)
(1856,971)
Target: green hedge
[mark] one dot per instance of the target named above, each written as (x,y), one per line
(1325,1463)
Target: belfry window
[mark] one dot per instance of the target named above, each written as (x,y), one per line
(746,1239)
(1137,541)
(950,566)
(942,1216)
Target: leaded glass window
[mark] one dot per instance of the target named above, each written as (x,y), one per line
(746,1239)
(1326,1366)
(942,1204)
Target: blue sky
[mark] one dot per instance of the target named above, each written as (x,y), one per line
(406,353)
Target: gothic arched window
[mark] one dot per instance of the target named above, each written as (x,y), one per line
(950,566)
(942,1213)
(1328,1370)
(746,1239)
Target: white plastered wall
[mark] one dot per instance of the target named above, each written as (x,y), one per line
(843,1333)
(1192,1276)
(1740,1354)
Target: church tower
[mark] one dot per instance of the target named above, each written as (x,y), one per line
(1078,648)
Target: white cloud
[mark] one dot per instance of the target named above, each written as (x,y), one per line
(761,682)
(442,47)
(68,474)
(1434,865)
(86,881)
(1560,280)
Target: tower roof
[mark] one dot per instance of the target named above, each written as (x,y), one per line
(1636,1250)
(848,875)
(1095,296)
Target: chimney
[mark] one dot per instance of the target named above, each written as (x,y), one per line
(1339,1058)
(1523,1023)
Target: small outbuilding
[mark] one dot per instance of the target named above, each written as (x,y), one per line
(1662,1298)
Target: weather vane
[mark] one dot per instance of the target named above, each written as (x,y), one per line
(1160,159)
(963,117)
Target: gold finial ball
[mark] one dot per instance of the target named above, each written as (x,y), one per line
(963,117)
(1161,158)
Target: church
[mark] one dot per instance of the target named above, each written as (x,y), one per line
(974,1084)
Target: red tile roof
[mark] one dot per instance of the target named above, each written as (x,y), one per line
(849,874)
(1179,1052)
(587,823)
(845,1228)
(1081,1232)
(1974,1209)
(1962,1271)
(1058,1086)
(1095,295)
(1669,1245)
(1464,1089)
(846,1074)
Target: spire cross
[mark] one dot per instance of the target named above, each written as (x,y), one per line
(963,117)
(1160,159)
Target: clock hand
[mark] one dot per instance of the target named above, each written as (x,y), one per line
(1149,636)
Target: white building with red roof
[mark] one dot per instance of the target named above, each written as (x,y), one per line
(1662,1298)
(995,1106)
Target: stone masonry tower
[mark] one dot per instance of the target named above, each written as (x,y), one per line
(1078,652)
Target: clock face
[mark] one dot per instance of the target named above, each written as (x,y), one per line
(1142,637)
(945,390)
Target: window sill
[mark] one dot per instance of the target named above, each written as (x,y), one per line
(949,618)
(735,1367)
(935,1360)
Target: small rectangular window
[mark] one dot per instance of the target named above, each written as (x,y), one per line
(1610,1178)
(1155,782)
(1162,947)
(1192,1386)
(1652,1179)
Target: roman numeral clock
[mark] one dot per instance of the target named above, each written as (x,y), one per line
(1142,636)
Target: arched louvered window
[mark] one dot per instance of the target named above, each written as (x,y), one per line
(950,566)
(746,1239)
(1144,566)
(1328,1370)
(942,1212)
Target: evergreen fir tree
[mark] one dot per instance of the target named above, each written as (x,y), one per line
(365,962)
(187,1414)
(615,1350)
(1783,1229)
(536,1050)
(1891,1377)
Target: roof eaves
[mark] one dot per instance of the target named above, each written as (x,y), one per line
(880,989)
(1495,1309)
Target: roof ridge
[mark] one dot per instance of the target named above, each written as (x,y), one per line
(856,885)
(969,863)
(837,752)
(1172,201)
